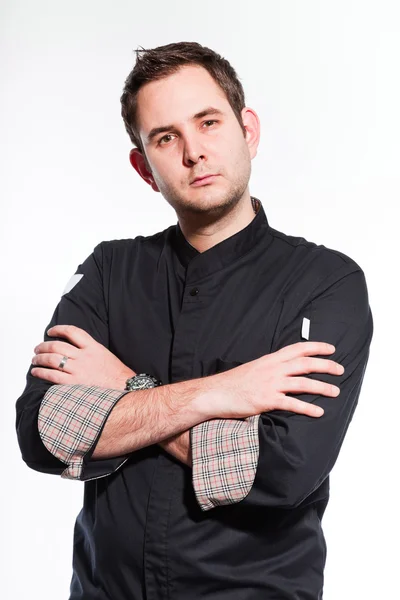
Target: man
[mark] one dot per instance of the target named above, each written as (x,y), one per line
(191,378)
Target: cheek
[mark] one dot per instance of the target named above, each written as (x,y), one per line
(159,169)
(171,169)
(243,153)
(167,176)
(233,148)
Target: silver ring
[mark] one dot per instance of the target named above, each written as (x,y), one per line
(63,361)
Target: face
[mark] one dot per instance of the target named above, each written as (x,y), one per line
(189,131)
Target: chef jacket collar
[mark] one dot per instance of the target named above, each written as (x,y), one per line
(202,264)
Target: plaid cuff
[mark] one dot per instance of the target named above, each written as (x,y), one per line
(224,460)
(70,419)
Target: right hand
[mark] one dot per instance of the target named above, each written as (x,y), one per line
(90,363)
(261,385)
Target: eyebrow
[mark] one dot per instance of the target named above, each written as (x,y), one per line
(203,113)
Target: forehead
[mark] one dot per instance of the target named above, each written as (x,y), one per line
(177,97)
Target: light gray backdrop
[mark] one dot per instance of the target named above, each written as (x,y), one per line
(324,78)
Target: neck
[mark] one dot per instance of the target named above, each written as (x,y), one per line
(205,236)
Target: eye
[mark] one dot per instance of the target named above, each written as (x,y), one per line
(212,121)
(164,137)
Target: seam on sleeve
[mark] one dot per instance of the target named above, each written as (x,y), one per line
(224,460)
(70,418)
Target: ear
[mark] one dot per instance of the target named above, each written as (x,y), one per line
(251,123)
(140,164)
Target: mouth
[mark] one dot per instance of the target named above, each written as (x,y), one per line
(203,180)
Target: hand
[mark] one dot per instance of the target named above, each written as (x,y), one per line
(260,385)
(89,363)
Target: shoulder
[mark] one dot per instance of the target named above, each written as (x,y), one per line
(325,285)
(131,248)
(317,260)
(317,271)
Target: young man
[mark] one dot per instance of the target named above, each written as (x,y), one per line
(191,378)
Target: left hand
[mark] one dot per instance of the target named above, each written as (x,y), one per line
(89,363)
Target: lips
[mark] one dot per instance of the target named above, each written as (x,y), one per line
(204,178)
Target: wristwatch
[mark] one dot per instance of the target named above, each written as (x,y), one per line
(142,381)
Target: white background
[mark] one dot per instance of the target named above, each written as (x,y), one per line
(324,79)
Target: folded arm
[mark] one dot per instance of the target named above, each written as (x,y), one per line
(278,458)
(86,431)
(80,424)
(61,427)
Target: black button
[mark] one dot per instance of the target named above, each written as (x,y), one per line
(194,291)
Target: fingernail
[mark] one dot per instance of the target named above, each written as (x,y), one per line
(319,411)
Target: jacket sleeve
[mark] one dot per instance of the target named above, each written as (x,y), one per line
(279,458)
(58,426)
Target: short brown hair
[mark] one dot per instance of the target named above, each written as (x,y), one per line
(157,63)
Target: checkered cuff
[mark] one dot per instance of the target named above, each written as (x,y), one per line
(70,420)
(224,460)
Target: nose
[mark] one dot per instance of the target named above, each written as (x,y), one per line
(193,152)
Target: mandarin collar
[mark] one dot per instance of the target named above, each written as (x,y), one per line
(201,264)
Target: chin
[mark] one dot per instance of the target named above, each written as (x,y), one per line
(207,200)
(213,199)
(211,204)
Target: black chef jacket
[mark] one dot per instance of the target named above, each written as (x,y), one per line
(164,308)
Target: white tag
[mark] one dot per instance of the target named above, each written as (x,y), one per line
(72,283)
(305,329)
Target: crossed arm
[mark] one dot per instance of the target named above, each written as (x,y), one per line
(91,364)
(162,415)
(273,454)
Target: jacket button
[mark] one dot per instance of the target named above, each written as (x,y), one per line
(194,291)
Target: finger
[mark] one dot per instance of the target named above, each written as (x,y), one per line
(52,361)
(305,349)
(305,385)
(57,347)
(79,337)
(298,406)
(56,377)
(305,364)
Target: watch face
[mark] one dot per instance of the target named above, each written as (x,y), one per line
(141,382)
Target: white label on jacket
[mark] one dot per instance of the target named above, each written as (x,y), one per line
(305,329)
(72,283)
